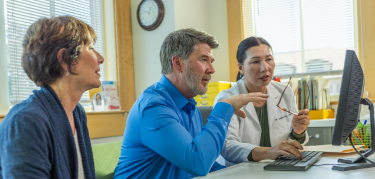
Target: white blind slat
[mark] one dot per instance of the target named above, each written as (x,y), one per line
(306,35)
(21,14)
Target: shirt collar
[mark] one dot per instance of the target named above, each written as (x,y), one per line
(176,95)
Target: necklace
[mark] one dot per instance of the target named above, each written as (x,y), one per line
(72,119)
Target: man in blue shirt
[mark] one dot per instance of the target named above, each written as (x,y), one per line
(164,136)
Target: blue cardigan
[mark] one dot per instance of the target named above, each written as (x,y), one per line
(36,140)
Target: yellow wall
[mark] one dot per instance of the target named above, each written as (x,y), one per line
(235,34)
(366,43)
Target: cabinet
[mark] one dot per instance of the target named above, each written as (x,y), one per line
(320,135)
(213,90)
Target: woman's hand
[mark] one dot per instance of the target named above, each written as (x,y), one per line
(301,122)
(285,148)
(239,101)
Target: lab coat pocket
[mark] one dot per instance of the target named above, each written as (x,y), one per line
(284,124)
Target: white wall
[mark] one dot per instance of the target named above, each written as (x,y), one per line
(210,16)
(191,13)
(4,87)
(207,15)
(146,47)
(218,27)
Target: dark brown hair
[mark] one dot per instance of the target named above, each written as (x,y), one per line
(246,44)
(43,40)
(181,43)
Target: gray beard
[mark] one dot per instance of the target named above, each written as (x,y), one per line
(194,81)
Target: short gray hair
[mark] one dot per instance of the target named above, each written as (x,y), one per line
(181,43)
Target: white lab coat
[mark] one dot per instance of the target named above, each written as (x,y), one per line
(244,133)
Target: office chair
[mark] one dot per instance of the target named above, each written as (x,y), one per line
(205,112)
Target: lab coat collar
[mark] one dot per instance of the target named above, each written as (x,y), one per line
(272,100)
(248,108)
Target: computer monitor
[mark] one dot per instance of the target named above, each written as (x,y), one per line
(349,108)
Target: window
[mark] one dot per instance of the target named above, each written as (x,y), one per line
(21,14)
(307,36)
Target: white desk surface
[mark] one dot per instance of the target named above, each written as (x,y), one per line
(255,170)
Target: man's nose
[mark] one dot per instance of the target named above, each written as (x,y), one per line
(210,68)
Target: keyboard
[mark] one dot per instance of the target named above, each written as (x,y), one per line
(293,163)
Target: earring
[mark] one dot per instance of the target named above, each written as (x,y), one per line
(67,73)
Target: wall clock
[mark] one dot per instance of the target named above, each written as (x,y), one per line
(150,14)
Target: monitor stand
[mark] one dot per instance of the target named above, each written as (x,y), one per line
(360,162)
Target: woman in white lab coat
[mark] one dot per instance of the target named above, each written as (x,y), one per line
(266,130)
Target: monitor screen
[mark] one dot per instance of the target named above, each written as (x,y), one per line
(351,92)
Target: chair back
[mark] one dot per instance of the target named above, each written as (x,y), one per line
(205,112)
(106,156)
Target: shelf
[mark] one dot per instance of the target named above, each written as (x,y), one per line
(106,112)
(334,102)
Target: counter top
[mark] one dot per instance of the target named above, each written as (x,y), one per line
(323,123)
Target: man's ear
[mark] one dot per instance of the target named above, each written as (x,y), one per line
(240,68)
(177,63)
(60,54)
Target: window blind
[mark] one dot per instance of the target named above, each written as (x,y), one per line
(20,14)
(307,36)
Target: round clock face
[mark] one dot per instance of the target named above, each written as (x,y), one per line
(148,12)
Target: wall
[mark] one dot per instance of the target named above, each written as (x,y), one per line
(210,16)
(207,15)
(110,47)
(4,88)
(218,26)
(146,46)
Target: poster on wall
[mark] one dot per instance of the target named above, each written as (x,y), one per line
(110,95)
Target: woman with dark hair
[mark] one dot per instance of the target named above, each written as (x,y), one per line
(98,100)
(46,136)
(265,131)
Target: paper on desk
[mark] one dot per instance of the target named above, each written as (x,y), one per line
(332,149)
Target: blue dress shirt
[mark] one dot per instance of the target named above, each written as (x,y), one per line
(164,136)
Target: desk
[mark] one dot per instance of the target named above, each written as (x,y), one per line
(255,170)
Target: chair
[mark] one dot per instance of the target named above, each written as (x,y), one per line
(205,112)
(106,157)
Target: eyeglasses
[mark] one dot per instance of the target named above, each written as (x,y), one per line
(288,111)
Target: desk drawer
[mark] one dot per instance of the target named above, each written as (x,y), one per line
(319,135)
(207,96)
(205,102)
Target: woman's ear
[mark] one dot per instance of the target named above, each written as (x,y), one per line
(177,63)
(60,55)
(240,68)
